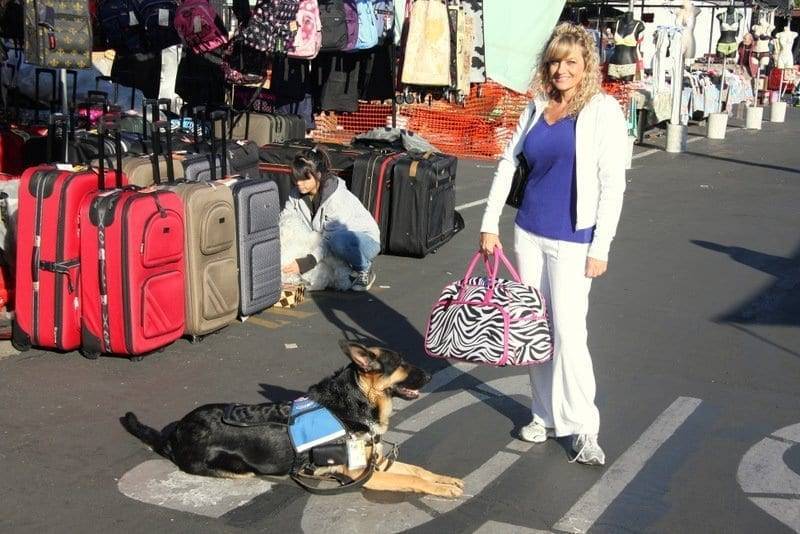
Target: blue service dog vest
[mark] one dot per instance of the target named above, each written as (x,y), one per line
(311,425)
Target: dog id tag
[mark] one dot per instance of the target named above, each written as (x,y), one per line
(356,454)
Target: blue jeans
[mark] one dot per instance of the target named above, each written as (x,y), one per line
(357,249)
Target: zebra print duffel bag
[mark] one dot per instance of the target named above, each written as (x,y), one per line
(489,320)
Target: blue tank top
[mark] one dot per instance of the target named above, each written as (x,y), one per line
(549,204)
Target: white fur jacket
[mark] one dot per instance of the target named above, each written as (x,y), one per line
(339,210)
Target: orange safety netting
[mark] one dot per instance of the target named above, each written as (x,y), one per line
(479,128)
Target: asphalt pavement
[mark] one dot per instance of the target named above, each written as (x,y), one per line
(696,348)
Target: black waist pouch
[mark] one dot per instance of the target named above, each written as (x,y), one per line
(329,454)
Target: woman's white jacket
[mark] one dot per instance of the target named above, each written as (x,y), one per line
(600,154)
(339,210)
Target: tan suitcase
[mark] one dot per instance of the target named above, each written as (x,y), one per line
(256,127)
(139,170)
(212,270)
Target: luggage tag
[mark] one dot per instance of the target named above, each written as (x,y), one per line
(356,454)
(132,20)
(197,25)
(65,167)
(163,17)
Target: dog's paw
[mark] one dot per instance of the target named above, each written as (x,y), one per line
(448,490)
(450,480)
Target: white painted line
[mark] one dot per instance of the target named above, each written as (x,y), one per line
(791,433)
(594,502)
(471,204)
(496,527)
(477,480)
(440,410)
(520,446)
(161,483)
(787,511)
(763,472)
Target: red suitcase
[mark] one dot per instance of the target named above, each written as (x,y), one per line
(132,275)
(47,292)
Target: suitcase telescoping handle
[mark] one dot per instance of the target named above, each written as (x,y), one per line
(109,124)
(37,84)
(56,120)
(158,128)
(155,107)
(219,116)
(199,114)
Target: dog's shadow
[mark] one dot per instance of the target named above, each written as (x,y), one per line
(275,393)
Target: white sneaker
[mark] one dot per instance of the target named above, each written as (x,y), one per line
(587,450)
(535,432)
(362,280)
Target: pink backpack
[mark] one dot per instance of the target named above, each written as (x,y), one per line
(308,39)
(195,22)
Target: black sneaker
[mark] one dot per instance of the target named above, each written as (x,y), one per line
(362,280)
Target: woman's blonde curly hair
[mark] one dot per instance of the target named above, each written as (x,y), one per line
(563,40)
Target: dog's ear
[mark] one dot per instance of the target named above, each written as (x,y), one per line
(360,355)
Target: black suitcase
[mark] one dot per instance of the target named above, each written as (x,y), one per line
(372,184)
(423,199)
(257,209)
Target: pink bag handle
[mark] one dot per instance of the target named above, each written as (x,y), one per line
(491,271)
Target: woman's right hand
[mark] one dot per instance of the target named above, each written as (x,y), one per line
(488,242)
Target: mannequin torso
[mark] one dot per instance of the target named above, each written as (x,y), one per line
(626,39)
(685,18)
(783,49)
(729,30)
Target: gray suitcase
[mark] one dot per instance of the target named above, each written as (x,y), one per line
(257,210)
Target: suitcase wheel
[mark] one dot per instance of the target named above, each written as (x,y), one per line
(136,358)
(90,354)
(22,347)
(19,339)
(195,339)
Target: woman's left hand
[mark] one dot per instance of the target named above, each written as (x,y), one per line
(595,267)
(291,268)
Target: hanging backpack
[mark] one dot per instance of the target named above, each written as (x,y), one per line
(157,18)
(58,33)
(272,26)
(384,17)
(334,25)
(120,26)
(367,25)
(351,18)
(308,39)
(196,24)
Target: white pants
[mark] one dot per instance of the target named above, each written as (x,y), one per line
(563,389)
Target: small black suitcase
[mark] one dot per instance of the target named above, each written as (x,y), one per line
(423,199)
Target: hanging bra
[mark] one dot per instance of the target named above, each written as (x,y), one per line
(628,40)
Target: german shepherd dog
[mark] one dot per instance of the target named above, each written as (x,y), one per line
(360,395)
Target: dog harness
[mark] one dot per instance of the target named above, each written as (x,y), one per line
(312,426)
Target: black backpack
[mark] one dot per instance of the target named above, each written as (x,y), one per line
(334,25)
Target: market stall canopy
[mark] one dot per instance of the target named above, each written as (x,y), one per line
(515,32)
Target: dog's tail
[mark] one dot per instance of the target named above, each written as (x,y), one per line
(148,435)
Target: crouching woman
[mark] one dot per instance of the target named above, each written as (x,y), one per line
(320,203)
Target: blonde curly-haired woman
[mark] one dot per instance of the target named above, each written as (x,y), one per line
(574,139)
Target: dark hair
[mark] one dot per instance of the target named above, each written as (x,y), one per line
(314,161)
